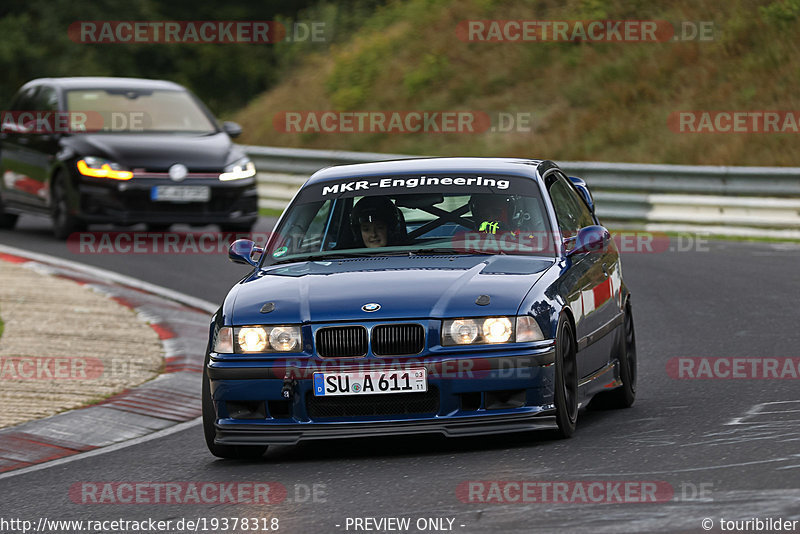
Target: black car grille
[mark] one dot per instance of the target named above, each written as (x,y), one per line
(366,405)
(398,339)
(342,342)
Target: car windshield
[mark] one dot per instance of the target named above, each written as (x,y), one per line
(455,214)
(140,111)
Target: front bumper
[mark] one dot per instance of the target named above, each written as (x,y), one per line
(129,202)
(467,396)
(232,434)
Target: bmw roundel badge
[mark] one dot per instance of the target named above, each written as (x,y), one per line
(371,307)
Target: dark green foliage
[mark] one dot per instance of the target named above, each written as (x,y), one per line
(34,43)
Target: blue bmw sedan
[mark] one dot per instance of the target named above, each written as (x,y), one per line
(459,296)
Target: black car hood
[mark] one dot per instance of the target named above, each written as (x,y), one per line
(157,152)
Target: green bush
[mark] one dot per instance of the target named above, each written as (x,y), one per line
(780,12)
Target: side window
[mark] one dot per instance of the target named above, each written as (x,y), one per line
(46,99)
(312,240)
(24,101)
(571,212)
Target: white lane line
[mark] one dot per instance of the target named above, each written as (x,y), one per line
(103,450)
(110,276)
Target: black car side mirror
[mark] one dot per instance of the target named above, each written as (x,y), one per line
(241,251)
(593,238)
(231,128)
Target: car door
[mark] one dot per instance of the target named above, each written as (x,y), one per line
(43,144)
(587,282)
(23,164)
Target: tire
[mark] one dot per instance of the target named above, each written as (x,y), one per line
(240,452)
(625,395)
(64,223)
(158,228)
(7,220)
(566,381)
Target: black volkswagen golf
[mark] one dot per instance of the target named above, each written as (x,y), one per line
(123,151)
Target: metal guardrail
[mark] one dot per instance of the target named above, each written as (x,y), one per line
(745,201)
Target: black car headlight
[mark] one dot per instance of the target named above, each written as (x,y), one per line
(238,170)
(258,339)
(103,168)
(490,330)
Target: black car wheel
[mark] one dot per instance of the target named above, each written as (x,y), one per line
(7,220)
(242,452)
(566,386)
(625,395)
(64,223)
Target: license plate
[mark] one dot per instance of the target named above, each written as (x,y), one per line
(180,193)
(370,382)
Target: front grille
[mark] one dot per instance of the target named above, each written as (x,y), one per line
(398,339)
(221,201)
(366,405)
(342,342)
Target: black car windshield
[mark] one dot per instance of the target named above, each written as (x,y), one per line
(433,214)
(140,111)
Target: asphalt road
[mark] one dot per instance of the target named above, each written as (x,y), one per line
(728,448)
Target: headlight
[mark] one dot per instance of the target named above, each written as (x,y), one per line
(461,331)
(497,330)
(253,339)
(243,168)
(284,338)
(103,168)
(490,330)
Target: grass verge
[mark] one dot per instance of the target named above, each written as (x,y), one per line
(588,100)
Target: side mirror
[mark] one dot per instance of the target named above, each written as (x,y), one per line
(590,239)
(13,128)
(231,128)
(241,251)
(583,189)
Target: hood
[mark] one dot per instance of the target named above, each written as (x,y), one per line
(157,152)
(415,287)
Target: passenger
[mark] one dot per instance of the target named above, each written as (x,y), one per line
(377,222)
(491,212)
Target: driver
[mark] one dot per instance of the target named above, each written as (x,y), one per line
(377,222)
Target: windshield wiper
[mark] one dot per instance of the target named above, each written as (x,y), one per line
(431,251)
(452,252)
(323,257)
